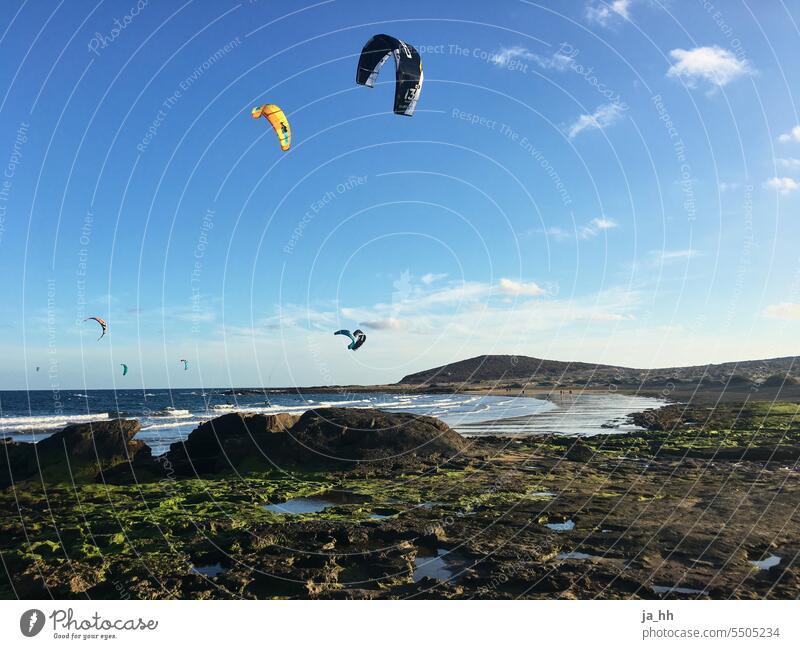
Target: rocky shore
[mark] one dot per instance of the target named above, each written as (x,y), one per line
(346,503)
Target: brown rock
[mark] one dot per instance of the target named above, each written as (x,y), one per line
(336,438)
(75,452)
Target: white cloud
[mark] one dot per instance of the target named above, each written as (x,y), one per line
(559,234)
(595,226)
(506,55)
(605,316)
(519,308)
(385,323)
(602,12)
(714,64)
(513,287)
(425,307)
(659,257)
(782,185)
(791,136)
(783,311)
(430,278)
(789,163)
(586,231)
(605,115)
(604,223)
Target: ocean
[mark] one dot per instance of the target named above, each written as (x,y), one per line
(167,416)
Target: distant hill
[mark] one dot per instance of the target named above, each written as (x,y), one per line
(538,371)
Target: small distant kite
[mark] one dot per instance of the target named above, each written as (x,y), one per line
(409,70)
(276,117)
(102,324)
(37,368)
(124,369)
(357,338)
(185,364)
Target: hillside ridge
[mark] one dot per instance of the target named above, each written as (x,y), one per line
(539,371)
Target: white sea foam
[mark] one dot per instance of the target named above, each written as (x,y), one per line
(172,412)
(47,422)
(183,423)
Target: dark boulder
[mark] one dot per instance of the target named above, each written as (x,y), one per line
(17,462)
(579,452)
(106,442)
(76,452)
(336,435)
(234,440)
(333,438)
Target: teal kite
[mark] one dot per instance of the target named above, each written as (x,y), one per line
(357,338)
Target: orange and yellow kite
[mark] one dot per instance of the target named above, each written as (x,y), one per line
(276,117)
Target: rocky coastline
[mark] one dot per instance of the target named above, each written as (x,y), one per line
(364,504)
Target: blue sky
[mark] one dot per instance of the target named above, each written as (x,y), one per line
(614,182)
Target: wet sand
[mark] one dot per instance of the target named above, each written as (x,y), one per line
(577,414)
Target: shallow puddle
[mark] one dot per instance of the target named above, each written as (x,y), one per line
(380,514)
(768,562)
(565,526)
(575,555)
(442,566)
(318,503)
(542,494)
(671,590)
(209,570)
(429,505)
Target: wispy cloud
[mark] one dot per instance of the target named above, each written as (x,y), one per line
(384,324)
(659,257)
(557,233)
(713,64)
(506,55)
(604,223)
(783,311)
(603,13)
(788,163)
(489,311)
(782,185)
(791,136)
(286,319)
(604,116)
(513,287)
(422,304)
(585,231)
(430,278)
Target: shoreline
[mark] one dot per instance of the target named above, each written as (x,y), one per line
(684,392)
(473,413)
